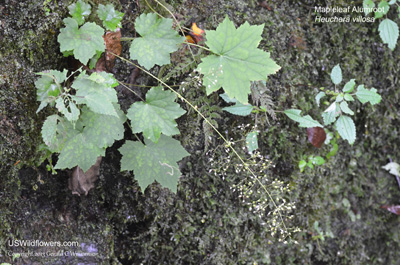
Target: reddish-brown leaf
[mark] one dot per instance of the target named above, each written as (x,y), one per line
(316,136)
(112,40)
(392,208)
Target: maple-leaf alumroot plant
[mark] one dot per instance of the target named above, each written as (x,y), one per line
(89,118)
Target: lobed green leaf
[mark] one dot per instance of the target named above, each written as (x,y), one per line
(153,162)
(157,40)
(79,11)
(236,60)
(103,130)
(111,18)
(84,41)
(56,131)
(81,146)
(79,151)
(96,91)
(156,115)
(65,131)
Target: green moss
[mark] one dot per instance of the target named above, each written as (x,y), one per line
(28,40)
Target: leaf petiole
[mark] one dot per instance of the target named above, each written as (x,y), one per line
(199,46)
(127,38)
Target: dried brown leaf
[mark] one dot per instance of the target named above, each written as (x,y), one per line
(112,40)
(80,182)
(392,208)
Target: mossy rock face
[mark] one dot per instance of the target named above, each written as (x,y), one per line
(28,45)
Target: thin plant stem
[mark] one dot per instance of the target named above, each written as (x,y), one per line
(128,84)
(127,38)
(199,46)
(319,247)
(137,137)
(121,83)
(152,9)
